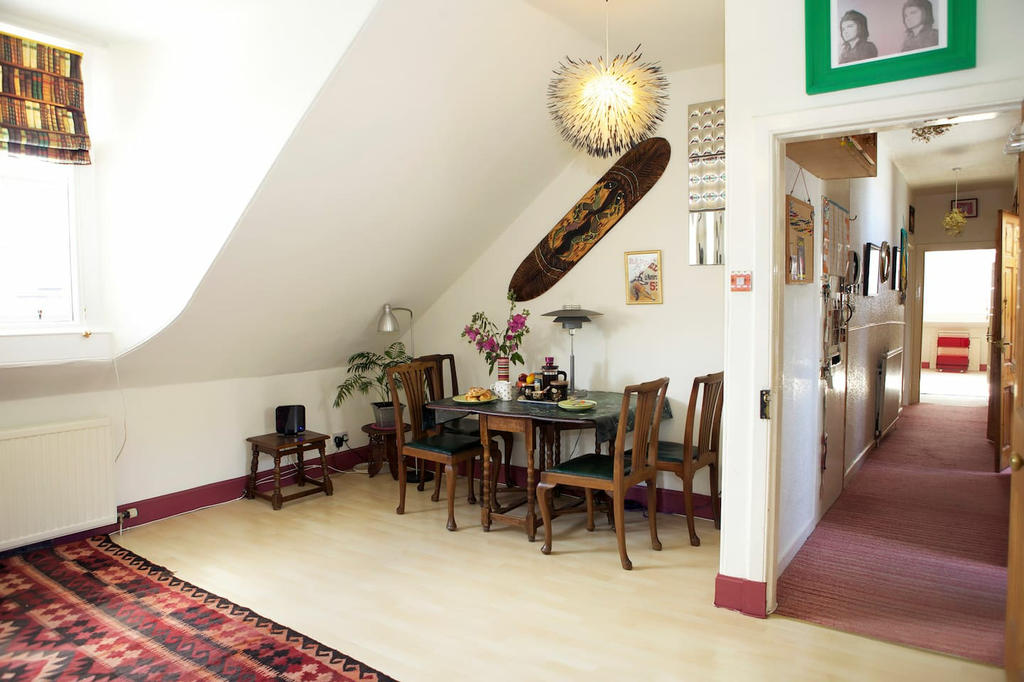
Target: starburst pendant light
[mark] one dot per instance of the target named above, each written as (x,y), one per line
(607,107)
(955,220)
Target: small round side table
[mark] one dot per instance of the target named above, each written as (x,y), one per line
(382,446)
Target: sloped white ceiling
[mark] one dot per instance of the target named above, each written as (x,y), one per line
(425,143)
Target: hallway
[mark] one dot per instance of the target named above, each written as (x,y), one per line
(914,549)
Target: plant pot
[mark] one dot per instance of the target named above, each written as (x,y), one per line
(384,415)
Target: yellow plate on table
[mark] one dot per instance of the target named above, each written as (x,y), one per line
(577,404)
(463,399)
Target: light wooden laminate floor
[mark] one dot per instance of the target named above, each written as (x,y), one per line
(417,602)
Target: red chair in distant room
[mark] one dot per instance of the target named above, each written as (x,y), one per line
(951,353)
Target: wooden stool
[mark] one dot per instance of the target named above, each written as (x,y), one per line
(277,446)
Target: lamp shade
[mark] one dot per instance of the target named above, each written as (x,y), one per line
(387,322)
(572,316)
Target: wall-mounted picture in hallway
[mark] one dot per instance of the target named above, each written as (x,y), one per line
(799,241)
(852,43)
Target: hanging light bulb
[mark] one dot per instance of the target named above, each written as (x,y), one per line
(607,107)
(955,220)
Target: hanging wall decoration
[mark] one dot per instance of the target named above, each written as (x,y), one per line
(854,43)
(706,152)
(643,277)
(835,237)
(799,241)
(604,204)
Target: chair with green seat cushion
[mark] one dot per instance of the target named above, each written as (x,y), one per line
(616,473)
(702,452)
(432,445)
(461,424)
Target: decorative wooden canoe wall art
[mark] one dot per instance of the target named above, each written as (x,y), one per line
(604,204)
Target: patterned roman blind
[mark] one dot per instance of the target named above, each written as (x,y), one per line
(42,113)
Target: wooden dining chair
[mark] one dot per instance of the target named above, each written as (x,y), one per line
(686,458)
(616,473)
(433,444)
(463,426)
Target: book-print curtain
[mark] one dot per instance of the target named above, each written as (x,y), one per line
(41,102)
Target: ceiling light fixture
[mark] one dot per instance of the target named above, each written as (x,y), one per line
(607,107)
(926,133)
(955,220)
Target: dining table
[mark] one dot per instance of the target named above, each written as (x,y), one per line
(527,417)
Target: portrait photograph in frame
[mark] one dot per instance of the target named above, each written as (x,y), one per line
(969,207)
(643,277)
(854,43)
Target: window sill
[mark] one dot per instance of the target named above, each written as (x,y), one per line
(53,345)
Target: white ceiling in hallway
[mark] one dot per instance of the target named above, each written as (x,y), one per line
(975,147)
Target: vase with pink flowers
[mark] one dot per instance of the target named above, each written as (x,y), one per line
(499,346)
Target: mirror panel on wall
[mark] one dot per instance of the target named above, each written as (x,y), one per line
(707,238)
(706,158)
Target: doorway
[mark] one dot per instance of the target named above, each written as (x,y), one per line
(955,326)
(883,323)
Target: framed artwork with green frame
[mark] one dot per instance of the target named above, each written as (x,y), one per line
(854,43)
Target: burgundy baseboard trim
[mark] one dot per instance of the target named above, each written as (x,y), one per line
(982,367)
(669,501)
(749,597)
(926,364)
(164,506)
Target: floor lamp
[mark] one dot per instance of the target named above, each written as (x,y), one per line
(572,317)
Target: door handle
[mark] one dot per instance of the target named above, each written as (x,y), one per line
(1016,462)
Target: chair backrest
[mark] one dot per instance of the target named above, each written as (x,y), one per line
(707,390)
(650,401)
(414,378)
(437,385)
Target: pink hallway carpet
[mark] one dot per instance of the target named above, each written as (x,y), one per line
(914,550)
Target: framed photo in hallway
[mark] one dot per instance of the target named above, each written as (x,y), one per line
(855,43)
(969,207)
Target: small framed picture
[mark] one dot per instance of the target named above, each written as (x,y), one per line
(799,241)
(969,207)
(643,277)
(872,264)
(910,221)
(854,43)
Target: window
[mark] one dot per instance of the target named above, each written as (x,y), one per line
(38,269)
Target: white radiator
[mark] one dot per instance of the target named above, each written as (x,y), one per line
(55,480)
(889,395)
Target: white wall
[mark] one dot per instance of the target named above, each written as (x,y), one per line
(880,205)
(766,99)
(184,127)
(183,436)
(681,338)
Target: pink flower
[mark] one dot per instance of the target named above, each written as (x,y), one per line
(490,344)
(516,323)
(479,345)
(513,348)
(472,333)
(509,337)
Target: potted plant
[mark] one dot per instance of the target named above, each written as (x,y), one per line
(368,370)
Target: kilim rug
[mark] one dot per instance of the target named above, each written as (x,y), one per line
(914,549)
(92,610)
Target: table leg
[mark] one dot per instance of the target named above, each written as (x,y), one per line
(250,488)
(328,483)
(485,507)
(531,492)
(300,475)
(377,449)
(277,501)
(391,452)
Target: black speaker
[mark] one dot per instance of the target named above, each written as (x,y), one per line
(291,419)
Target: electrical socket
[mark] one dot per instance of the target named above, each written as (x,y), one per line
(340,439)
(129,513)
